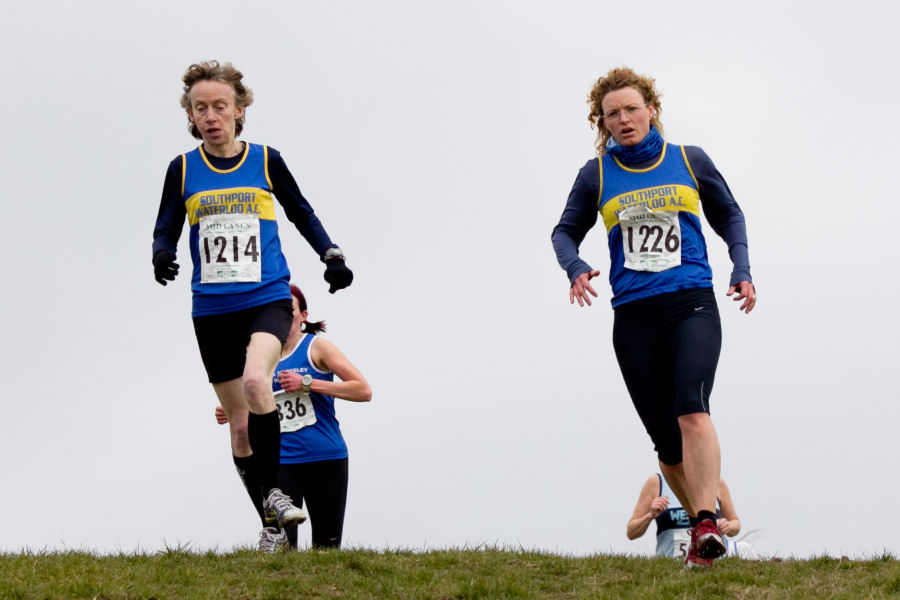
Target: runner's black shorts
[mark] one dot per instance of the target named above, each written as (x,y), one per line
(668,348)
(223,338)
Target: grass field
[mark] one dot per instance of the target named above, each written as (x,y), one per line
(446,574)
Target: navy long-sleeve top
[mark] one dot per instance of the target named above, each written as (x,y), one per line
(172,211)
(719,206)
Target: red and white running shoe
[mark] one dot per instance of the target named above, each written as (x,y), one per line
(707,540)
(691,560)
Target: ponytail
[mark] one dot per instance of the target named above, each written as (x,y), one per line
(313,327)
(308,327)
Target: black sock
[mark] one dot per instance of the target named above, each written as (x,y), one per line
(705,514)
(264,432)
(246,468)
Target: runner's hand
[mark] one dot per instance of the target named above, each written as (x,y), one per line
(221,419)
(659,504)
(724,526)
(746,292)
(337,274)
(164,266)
(290,381)
(581,287)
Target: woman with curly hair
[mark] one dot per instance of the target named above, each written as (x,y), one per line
(666,333)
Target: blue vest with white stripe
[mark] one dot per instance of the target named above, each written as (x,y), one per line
(322,440)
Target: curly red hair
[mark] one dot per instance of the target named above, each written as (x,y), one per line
(616,79)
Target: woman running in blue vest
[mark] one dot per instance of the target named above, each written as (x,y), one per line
(241,311)
(314,459)
(666,333)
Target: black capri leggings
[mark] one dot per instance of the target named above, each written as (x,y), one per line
(322,485)
(668,349)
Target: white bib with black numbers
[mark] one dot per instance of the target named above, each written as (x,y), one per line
(682,543)
(651,240)
(229,249)
(295,410)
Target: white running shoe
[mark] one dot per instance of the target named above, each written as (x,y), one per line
(272,541)
(279,509)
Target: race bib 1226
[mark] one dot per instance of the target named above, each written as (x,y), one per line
(651,240)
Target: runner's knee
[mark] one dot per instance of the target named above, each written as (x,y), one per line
(694,423)
(257,387)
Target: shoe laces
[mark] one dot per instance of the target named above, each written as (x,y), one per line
(707,526)
(279,500)
(268,538)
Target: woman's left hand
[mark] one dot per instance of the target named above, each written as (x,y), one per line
(746,292)
(724,526)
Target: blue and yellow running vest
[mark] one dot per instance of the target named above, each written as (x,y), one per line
(234,242)
(667,185)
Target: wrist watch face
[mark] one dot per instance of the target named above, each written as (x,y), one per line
(306,381)
(333,253)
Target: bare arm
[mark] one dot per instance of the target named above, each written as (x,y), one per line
(649,506)
(326,356)
(729,523)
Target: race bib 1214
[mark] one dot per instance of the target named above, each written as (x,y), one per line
(229,248)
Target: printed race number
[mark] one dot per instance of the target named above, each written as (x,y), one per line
(220,243)
(682,541)
(229,249)
(651,240)
(295,410)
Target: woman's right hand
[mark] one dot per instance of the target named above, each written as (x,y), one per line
(659,504)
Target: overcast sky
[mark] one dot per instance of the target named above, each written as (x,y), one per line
(438,142)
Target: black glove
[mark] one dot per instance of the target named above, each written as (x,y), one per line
(164,266)
(337,274)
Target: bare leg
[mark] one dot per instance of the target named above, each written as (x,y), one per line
(263,353)
(674,475)
(263,429)
(231,397)
(702,460)
(252,392)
